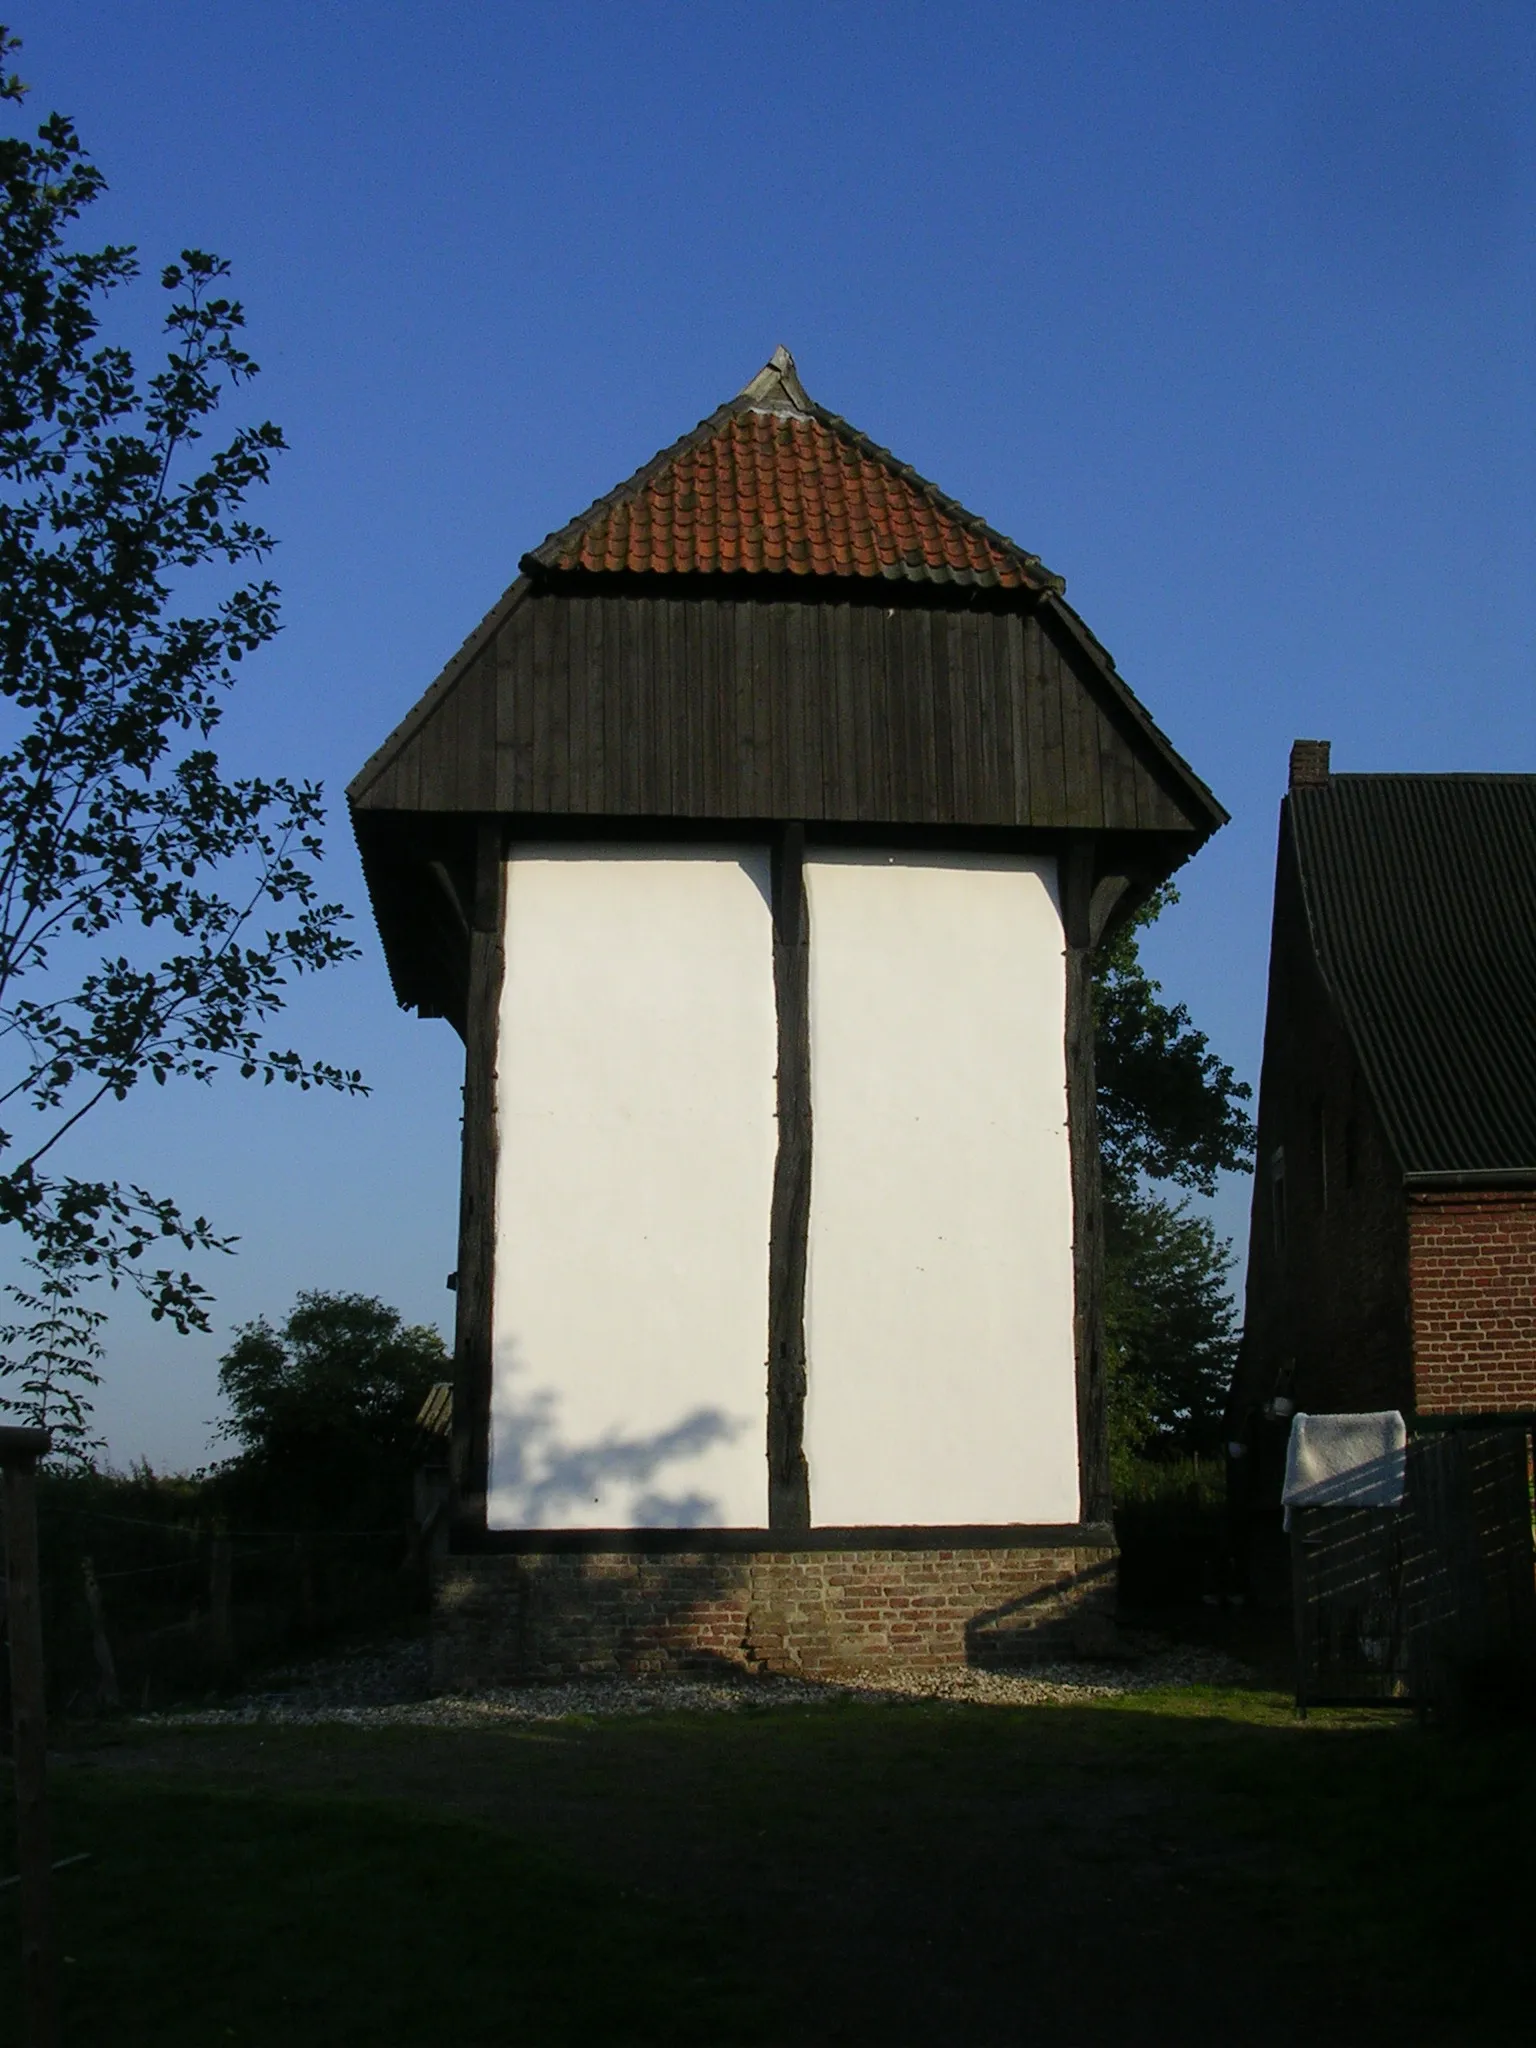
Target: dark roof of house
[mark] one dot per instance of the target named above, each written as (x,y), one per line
(1420,893)
(774,484)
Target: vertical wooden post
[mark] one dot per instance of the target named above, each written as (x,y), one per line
(106,1667)
(20,1450)
(1086,903)
(471,1440)
(789,1494)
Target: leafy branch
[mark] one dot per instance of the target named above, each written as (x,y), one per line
(153,911)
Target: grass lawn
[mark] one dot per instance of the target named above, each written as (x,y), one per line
(1181,1868)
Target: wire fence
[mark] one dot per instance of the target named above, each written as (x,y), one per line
(142,1609)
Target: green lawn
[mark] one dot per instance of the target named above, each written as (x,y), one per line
(209,1916)
(1185,1868)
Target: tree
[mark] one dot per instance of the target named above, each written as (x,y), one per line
(152,909)
(1170,1322)
(1170,1111)
(54,1355)
(324,1409)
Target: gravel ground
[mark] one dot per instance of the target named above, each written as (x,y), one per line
(390,1687)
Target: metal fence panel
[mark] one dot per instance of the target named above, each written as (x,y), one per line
(1397,1605)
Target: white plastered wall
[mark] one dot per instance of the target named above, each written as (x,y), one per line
(939,1302)
(636,1131)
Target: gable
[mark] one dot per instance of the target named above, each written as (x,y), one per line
(623,705)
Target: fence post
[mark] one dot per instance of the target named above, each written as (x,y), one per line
(20,1450)
(105,1666)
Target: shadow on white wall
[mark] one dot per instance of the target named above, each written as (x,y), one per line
(539,1481)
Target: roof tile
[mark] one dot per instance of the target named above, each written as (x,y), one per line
(774,483)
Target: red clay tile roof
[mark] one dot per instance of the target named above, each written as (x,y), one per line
(773,484)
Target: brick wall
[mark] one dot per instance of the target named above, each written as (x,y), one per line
(1472,1284)
(504,1618)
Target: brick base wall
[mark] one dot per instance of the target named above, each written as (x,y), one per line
(1472,1285)
(502,1619)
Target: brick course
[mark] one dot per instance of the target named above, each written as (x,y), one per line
(506,1618)
(1472,1284)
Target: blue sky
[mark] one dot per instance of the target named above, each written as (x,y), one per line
(1224,310)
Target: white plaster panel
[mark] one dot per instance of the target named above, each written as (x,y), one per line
(636,1132)
(939,1293)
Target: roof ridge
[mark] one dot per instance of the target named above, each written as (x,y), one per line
(1505,775)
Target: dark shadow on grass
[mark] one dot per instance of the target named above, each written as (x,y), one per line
(1181,1869)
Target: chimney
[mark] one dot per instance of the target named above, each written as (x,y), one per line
(1309,764)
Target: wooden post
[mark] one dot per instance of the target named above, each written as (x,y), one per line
(20,1450)
(105,1666)
(789,1494)
(471,1440)
(1077,892)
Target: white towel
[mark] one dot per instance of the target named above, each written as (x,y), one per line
(1346,1461)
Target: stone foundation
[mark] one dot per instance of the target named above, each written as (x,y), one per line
(504,1618)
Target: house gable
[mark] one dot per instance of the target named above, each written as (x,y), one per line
(688,702)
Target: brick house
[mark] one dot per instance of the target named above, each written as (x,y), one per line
(757,843)
(1392,1255)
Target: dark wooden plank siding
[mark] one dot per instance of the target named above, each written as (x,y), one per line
(758,792)
(807,682)
(842,749)
(1007,663)
(615,639)
(771,651)
(687,707)
(864,685)
(482,786)
(627,710)
(436,755)
(957,704)
(507,645)
(1044,719)
(512,778)
(954,682)
(655,677)
(587,713)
